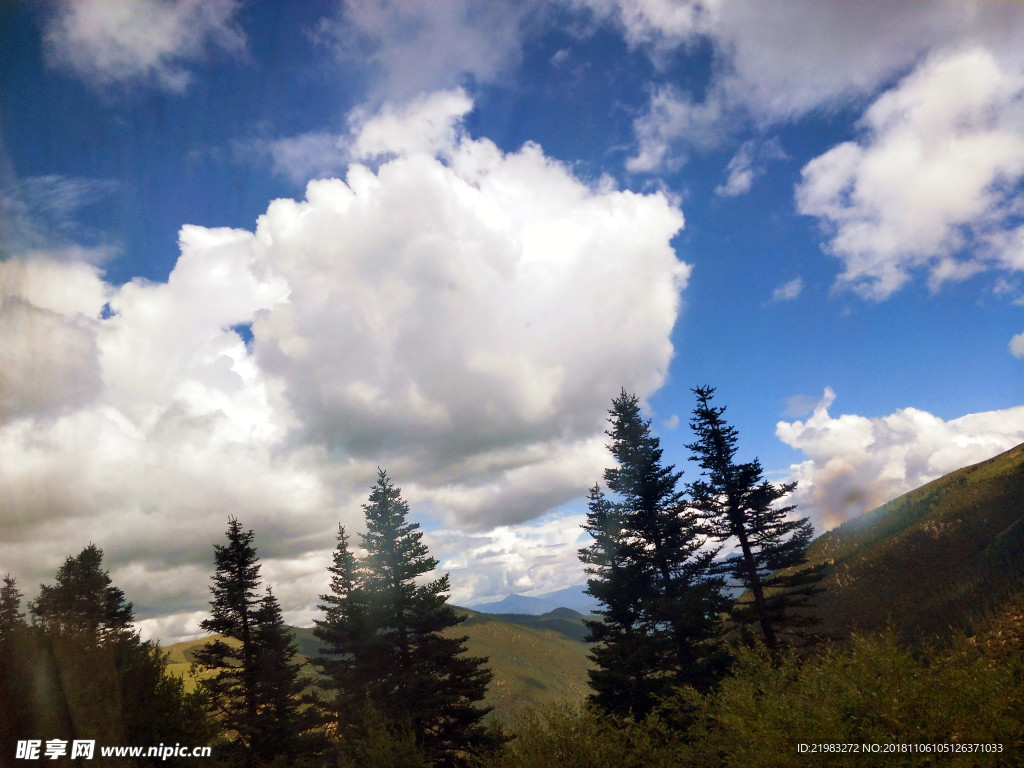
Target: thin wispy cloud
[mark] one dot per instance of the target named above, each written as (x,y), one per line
(788,291)
(140,42)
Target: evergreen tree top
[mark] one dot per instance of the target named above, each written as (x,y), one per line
(83,598)
(395,550)
(715,446)
(11,615)
(235,582)
(639,477)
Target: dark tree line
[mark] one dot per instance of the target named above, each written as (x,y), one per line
(79,670)
(655,565)
(389,669)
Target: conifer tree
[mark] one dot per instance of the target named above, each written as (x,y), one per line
(343,633)
(282,719)
(101,680)
(11,616)
(741,507)
(83,599)
(383,636)
(622,654)
(255,675)
(16,717)
(651,571)
(83,621)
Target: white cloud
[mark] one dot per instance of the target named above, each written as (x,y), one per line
(1017,345)
(430,123)
(824,54)
(41,214)
(461,319)
(486,566)
(776,62)
(856,464)
(140,41)
(411,48)
(741,176)
(935,174)
(478,333)
(674,123)
(313,155)
(748,163)
(788,291)
(143,430)
(657,26)
(48,361)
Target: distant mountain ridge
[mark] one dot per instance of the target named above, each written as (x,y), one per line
(574,597)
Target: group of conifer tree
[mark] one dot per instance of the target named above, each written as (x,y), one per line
(388,671)
(79,669)
(385,666)
(670,601)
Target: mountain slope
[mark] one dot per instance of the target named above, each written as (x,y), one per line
(536,660)
(948,554)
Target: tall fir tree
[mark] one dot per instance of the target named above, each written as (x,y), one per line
(770,566)
(384,641)
(283,719)
(652,572)
(621,679)
(12,618)
(343,634)
(255,674)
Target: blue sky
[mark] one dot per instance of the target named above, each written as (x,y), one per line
(254,250)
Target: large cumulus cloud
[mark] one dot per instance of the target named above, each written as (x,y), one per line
(463,320)
(458,314)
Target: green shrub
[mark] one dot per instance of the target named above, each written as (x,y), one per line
(875,692)
(574,736)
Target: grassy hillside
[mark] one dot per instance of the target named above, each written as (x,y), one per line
(536,660)
(948,554)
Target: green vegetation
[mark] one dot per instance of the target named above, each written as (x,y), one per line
(535,660)
(741,508)
(386,657)
(874,692)
(659,623)
(80,671)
